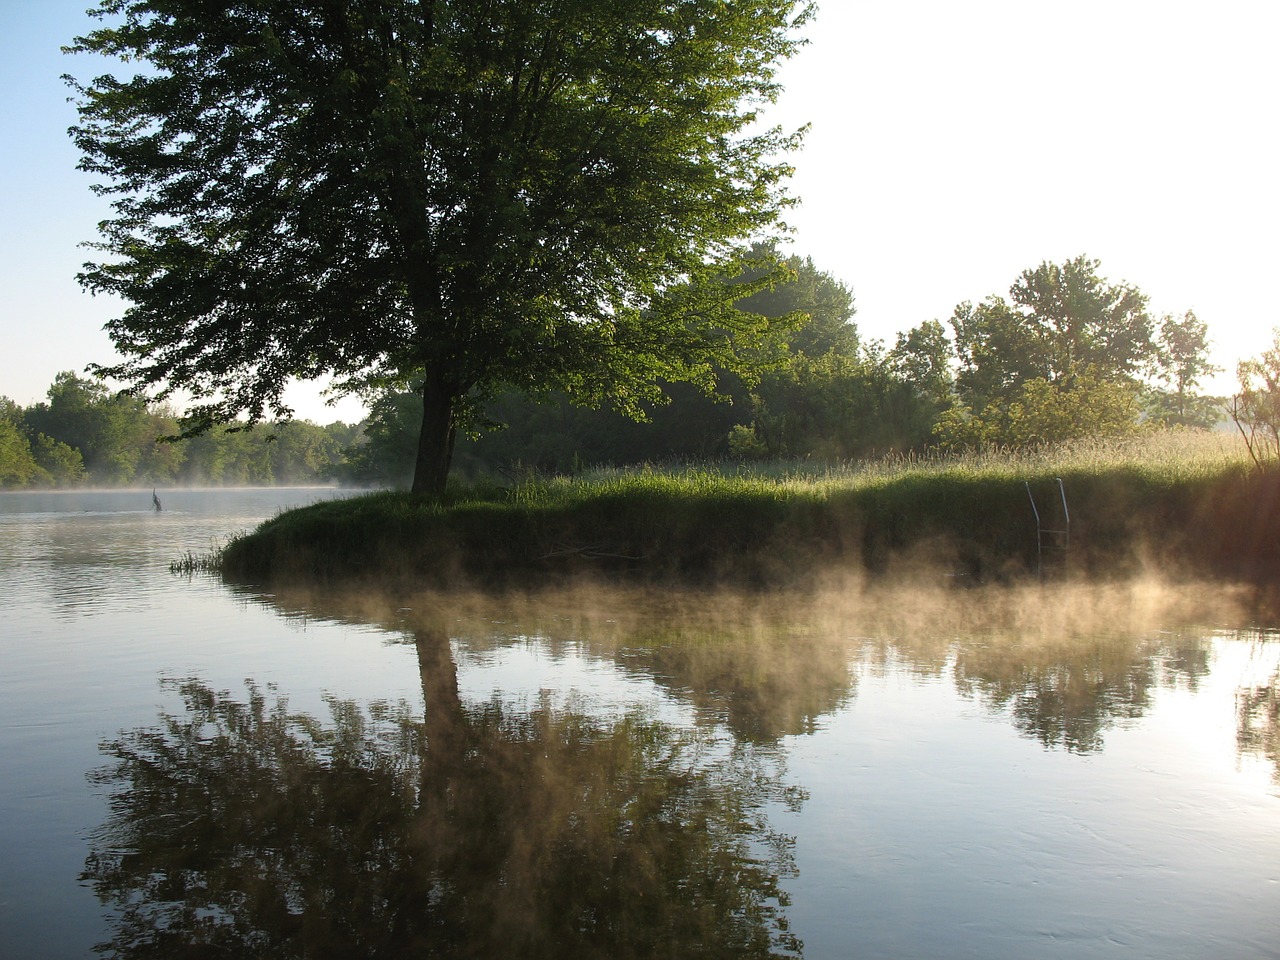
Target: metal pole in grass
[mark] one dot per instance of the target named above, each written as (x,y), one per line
(1064,534)
(1066,519)
(1039,549)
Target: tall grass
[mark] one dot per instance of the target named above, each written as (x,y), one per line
(1164,494)
(1173,453)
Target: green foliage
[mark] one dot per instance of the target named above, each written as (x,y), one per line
(1059,320)
(27,461)
(115,434)
(837,407)
(296,452)
(387,450)
(87,433)
(61,464)
(523,195)
(997,350)
(822,305)
(922,357)
(556,435)
(551,434)
(745,445)
(300,451)
(831,397)
(18,467)
(814,316)
(1043,412)
(1066,356)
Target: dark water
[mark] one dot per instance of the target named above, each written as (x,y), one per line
(188,768)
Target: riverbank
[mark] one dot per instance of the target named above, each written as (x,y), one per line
(1202,511)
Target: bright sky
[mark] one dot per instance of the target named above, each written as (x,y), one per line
(953,146)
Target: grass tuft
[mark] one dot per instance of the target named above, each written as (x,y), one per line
(191,563)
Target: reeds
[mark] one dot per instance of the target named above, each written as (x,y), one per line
(190,563)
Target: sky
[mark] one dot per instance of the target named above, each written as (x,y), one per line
(952,146)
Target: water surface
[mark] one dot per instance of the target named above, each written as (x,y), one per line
(1064,771)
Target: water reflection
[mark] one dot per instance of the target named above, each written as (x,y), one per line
(765,667)
(1068,698)
(485,826)
(1258,710)
(243,829)
(1064,665)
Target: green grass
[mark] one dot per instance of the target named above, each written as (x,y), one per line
(1186,499)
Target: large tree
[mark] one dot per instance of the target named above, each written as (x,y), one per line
(1062,357)
(1060,321)
(468,194)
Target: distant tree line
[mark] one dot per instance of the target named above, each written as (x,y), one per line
(87,434)
(1066,354)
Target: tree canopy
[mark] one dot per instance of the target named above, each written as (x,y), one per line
(1071,354)
(473,197)
(1061,320)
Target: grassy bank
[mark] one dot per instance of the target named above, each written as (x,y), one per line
(1189,503)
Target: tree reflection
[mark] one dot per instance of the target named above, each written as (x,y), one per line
(1069,694)
(1065,701)
(240,828)
(763,689)
(1065,664)
(765,673)
(1258,708)
(759,664)
(1258,722)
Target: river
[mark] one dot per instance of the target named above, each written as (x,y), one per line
(194,768)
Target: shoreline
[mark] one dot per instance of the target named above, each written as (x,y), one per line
(751,531)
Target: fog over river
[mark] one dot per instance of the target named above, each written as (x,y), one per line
(865,769)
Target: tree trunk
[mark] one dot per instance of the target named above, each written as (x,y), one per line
(437,839)
(435,440)
(445,723)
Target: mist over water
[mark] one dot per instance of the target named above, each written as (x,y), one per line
(880,769)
